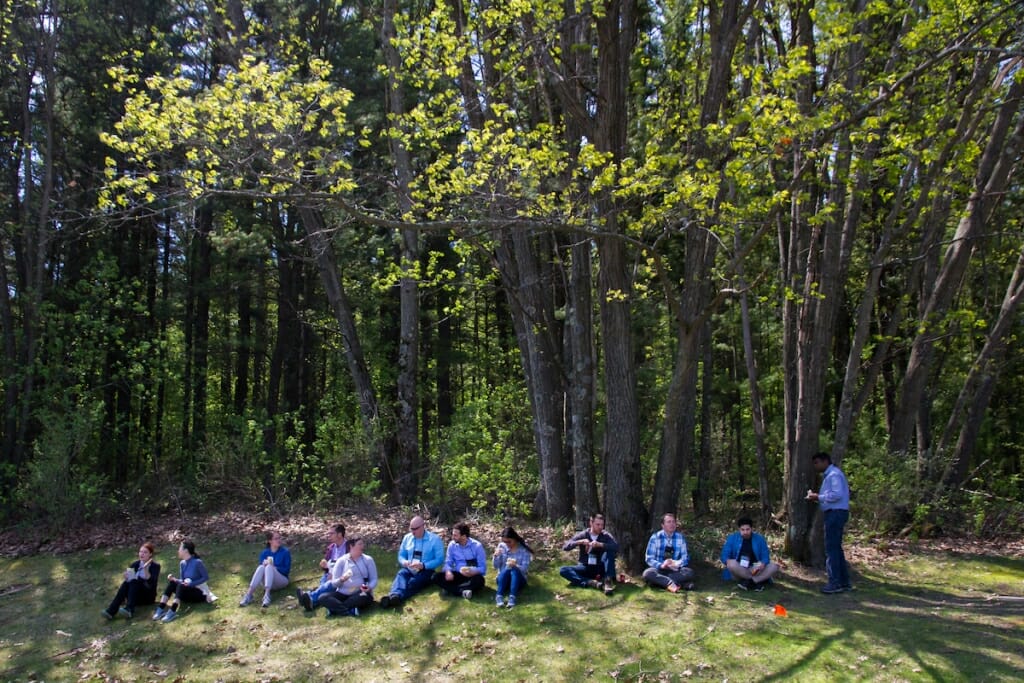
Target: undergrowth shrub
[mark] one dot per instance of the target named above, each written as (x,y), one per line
(488,459)
(60,485)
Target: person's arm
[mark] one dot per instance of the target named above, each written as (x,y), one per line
(433,553)
(404,552)
(283,562)
(341,567)
(726,553)
(499,556)
(831,488)
(523,559)
(372,566)
(573,543)
(651,556)
(264,554)
(481,558)
(761,551)
(609,542)
(682,554)
(449,560)
(199,573)
(152,581)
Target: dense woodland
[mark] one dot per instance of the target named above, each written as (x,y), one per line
(535,258)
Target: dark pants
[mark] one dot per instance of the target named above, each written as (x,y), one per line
(835,559)
(579,574)
(459,583)
(131,594)
(182,592)
(408,583)
(339,603)
(663,578)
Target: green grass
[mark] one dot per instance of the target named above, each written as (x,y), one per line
(922,617)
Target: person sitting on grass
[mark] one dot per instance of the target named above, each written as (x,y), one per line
(187,588)
(139,584)
(597,549)
(512,560)
(465,564)
(420,553)
(745,556)
(272,570)
(338,547)
(354,577)
(667,558)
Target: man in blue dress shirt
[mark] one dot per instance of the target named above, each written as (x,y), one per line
(834,499)
(419,555)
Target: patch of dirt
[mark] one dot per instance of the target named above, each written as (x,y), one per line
(384,526)
(381,526)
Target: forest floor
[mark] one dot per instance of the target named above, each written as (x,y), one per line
(942,609)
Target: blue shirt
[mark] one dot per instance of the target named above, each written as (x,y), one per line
(193,568)
(430,549)
(282,559)
(733,544)
(469,555)
(662,547)
(834,493)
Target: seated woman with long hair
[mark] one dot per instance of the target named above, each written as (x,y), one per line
(186,587)
(512,560)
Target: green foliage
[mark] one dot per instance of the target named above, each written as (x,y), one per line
(487,459)
(60,486)
(884,489)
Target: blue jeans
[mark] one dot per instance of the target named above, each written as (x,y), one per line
(408,584)
(510,581)
(324,588)
(579,574)
(835,560)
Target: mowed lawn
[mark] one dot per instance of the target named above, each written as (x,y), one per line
(924,615)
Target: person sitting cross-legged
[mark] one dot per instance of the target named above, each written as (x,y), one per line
(746,558)
(354,577)
(597,549)
(464,566)
(667,558)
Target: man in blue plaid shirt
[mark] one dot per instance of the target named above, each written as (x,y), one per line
(667,558)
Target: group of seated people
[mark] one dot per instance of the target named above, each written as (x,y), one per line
(350,575)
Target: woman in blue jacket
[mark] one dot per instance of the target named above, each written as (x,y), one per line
(186,587)
(275,564)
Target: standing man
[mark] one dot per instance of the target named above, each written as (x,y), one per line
(834,499)
(667,558)
(597,549)
(745,556)
(464,566)
(420,553)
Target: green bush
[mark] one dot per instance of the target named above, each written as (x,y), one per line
(487,457)
(60,485)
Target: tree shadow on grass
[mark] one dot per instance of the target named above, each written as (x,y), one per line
(943,633)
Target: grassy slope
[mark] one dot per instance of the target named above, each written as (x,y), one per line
(925,616)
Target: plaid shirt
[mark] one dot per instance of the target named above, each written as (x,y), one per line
(658,545)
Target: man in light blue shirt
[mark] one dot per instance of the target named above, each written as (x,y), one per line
(464,566)
(834,499)
(420,553)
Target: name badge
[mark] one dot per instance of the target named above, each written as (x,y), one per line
(744,561)
(591,559)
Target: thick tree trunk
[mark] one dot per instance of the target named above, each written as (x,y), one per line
(369,409)
(579,341)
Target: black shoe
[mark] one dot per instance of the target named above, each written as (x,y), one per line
(759,587)
(743,585)
(306,602)
(689,586)
(385,601)
(829,589)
